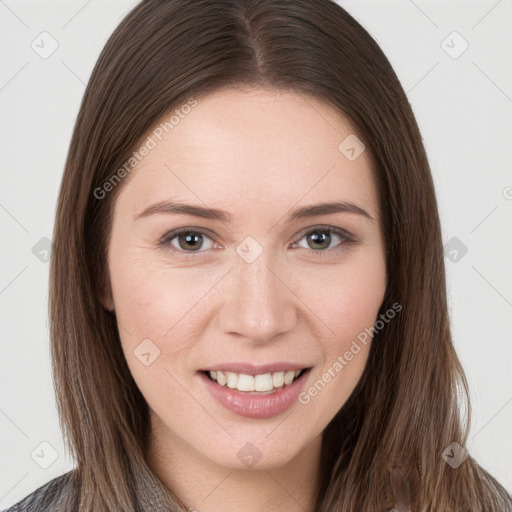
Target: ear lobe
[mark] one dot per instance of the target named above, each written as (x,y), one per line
(105,296)
(107,303)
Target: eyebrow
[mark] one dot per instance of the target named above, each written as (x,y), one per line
(171,207)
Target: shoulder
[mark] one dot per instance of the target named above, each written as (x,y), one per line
(50,495)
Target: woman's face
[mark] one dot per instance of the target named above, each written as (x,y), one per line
(260,284)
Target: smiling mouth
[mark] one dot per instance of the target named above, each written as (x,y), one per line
(259,384)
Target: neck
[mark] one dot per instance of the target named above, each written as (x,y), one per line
(205,486)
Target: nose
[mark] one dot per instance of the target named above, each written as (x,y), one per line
(259,303)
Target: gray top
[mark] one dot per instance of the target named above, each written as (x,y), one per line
(46,497)
(55,496)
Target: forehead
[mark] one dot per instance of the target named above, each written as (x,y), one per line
(258,147)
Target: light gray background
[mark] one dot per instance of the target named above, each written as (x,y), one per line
(463,106)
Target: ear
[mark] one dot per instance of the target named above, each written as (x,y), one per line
(105,295)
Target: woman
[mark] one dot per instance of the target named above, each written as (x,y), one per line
(247,291)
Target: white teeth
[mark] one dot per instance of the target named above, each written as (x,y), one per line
(278,379)
(221,378)
(263,382)
(245,382)
(232,380)
(288,378)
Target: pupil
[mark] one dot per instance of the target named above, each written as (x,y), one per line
(322,239)
(190,240)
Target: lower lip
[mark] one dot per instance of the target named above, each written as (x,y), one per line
(256,406)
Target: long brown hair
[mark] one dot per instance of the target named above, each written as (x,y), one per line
(384,448)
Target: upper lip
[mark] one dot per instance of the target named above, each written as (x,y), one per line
(255,369)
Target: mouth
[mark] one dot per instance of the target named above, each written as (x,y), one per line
(258,393)
(255,383)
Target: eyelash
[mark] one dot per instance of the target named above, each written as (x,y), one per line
(346,238)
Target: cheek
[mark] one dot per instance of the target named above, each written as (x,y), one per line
(154,301)
(161,313)
(348,303)
(346,297)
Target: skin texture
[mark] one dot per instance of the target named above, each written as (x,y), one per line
(258,154)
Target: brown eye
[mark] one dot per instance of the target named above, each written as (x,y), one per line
(187,240)
(321,239)
(190,240)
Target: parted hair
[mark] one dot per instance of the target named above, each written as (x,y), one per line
(383,449)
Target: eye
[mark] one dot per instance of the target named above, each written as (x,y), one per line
(190,241)
(186,240)
(321,239)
